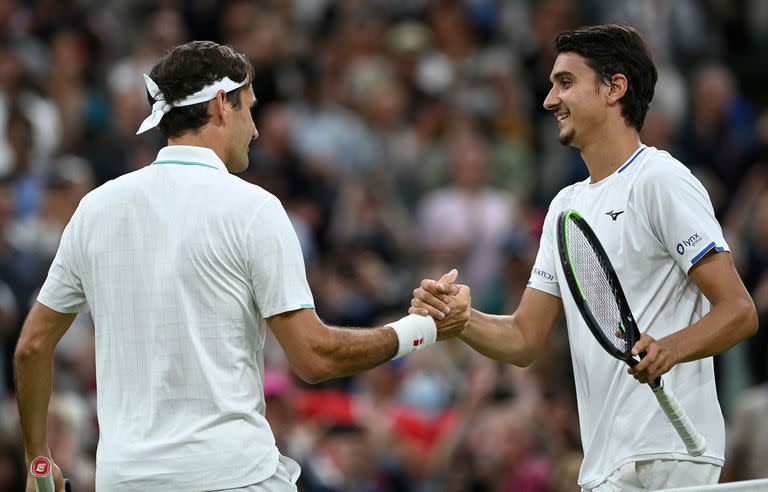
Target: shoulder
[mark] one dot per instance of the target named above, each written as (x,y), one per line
(113,190)
(241,190)
(660,169)
(257,208)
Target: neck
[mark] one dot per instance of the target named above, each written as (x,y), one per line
(201,139)
(605,154)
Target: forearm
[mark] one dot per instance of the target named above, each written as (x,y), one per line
(727,324)
(500,338)
(33,368)
(345,351)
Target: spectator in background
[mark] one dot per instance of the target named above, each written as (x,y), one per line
(465,223)
(27,171)
(13,473)
(343,462)
(82,103)
(67,182)
(747,437)
(20,271)
(68,431)
(16,90)
(719,136)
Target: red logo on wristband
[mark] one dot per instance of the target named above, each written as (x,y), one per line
(40,467)
(418,342)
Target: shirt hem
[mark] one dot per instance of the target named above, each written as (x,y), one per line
(58,308)
(711,460)
(265,468)
(539,287)
(287,309)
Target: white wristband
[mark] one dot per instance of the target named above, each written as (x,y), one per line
(414,332)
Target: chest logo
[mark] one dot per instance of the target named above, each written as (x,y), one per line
(614,215)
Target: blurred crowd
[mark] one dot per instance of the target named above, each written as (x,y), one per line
(404,137)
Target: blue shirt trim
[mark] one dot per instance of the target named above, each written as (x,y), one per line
(632,159)
(704,251)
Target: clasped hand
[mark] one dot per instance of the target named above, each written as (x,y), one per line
(448,303)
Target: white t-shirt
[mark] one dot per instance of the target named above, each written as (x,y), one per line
(655,221)
(180,263)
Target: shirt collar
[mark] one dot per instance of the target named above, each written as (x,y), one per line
(187,155)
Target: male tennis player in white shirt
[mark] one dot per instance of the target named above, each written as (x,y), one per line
(183,266)
(658,227)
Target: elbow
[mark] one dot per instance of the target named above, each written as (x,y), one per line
(313,375)
(748,315)
(26,349)
(524,362)
(313,370)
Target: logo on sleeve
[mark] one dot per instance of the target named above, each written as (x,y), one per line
(688,243)
(541,273)
(614,215)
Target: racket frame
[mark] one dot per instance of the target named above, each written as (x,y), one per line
(693,440)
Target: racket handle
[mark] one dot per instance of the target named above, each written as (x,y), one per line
(42,471)
(693,440)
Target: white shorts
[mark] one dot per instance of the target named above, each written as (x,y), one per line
(284,479)
(658,474)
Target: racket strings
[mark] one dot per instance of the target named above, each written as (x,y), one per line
(597,288)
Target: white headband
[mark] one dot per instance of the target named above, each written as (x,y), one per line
(160,107)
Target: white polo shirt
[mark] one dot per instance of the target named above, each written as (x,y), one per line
(180,263)
(655,221)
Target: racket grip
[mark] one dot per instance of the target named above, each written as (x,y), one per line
(693,440)
(42,471)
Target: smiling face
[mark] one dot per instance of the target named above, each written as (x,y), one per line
(578,100)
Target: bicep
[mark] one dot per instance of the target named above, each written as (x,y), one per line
(716,276)
(44,327)
(536,315)
(298,333)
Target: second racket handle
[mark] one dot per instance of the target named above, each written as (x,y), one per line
(42,471)
(692,438)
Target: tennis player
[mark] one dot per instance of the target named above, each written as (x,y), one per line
(658,227)
(183,266)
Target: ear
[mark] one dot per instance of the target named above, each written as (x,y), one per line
(218,108)
(617,88)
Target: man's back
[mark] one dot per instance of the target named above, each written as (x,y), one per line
(168,259)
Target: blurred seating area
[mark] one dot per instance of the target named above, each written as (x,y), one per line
(404,138)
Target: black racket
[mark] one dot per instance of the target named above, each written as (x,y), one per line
(601,301)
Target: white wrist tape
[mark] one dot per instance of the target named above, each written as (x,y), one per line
(414,332)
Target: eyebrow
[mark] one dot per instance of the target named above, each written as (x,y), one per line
(560,75)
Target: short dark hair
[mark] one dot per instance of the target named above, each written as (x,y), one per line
(611,49)
(186,69)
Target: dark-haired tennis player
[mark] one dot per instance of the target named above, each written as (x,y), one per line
(658,227)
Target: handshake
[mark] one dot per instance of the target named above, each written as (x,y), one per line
(448,303)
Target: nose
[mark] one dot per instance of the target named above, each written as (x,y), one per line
(551,102)
(255,133)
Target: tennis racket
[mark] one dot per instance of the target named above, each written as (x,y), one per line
(42,469)
(601,301)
